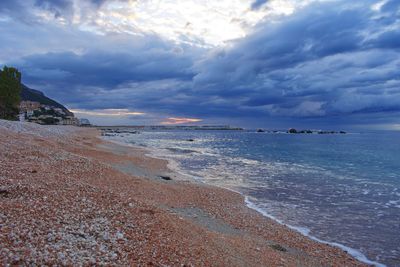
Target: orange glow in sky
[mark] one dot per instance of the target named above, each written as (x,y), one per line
(172,121)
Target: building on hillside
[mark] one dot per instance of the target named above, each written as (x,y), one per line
(84,122)
(21,117)
(46,107)
(26,106)
(70,120)
(59,111)
(45,114)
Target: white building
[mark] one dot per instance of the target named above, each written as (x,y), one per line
(84,122)
(21,116)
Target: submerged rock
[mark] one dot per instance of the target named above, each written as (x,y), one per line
(278,247)
(167,178)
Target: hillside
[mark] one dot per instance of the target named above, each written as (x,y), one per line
(28,94)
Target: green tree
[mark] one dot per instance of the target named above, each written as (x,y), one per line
(10,88)
(50,121)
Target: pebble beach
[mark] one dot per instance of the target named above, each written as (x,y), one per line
(67,197)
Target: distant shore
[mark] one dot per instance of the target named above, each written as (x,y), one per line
(68,197)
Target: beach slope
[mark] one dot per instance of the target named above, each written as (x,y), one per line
(69,198)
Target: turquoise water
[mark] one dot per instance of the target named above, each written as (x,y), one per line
(338,188)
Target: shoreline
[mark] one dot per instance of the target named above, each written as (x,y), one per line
(305,232)
(174,166)
(69,197)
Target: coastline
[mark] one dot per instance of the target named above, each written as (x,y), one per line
(96,202)
(174,166)
(353,252)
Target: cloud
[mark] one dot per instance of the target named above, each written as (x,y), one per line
(16,9)
(109,69)
(389,39)
(258,3)
(317,62)
(9,5)
(27,10)
(327,62)
(38,11)
(391,6)
(57,7)
(153,76)
(193,22)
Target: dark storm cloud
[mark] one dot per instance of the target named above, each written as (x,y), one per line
(330,62)
(8,5)
(23,9)
(15,9)
(149,72)
(391,6)
(389,39)
(318,62)
(110,69)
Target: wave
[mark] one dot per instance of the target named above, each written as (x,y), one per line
(306,232)
(205,175)
(181,150)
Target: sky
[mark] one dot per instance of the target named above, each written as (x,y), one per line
(327,64)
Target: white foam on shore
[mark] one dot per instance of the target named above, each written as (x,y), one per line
(154,153)
(175,167)
(172,164)
(306,232)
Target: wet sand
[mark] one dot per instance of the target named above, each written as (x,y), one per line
(69,198)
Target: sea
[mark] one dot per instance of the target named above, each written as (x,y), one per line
(341,189)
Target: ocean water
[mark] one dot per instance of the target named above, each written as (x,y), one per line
(341,189)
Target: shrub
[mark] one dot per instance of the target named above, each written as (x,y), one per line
(10,89)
